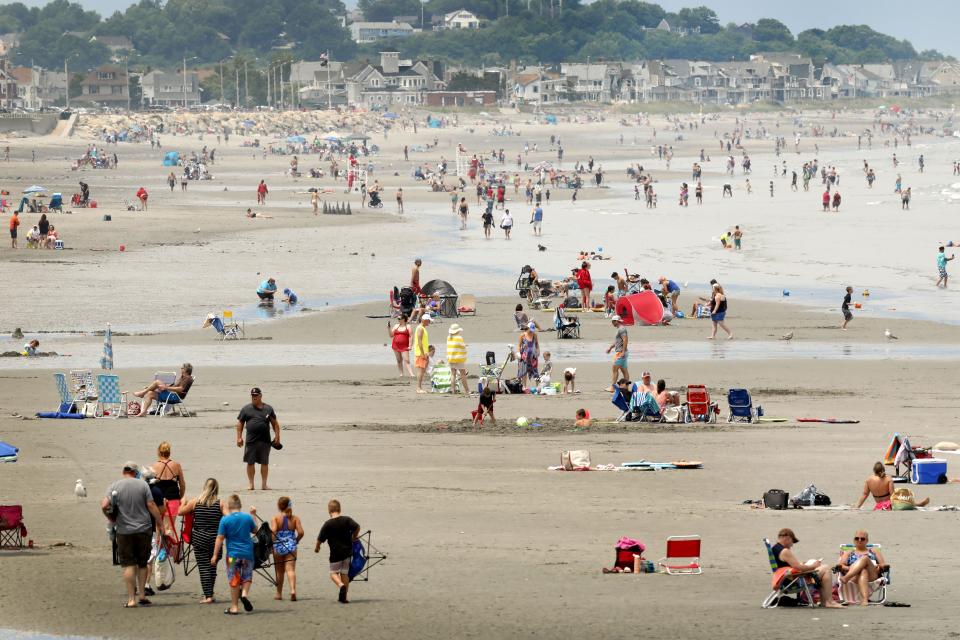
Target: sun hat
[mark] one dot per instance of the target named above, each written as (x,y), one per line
(425,317)
(454,329)
(616,319)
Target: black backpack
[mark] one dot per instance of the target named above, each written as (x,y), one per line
(262,545)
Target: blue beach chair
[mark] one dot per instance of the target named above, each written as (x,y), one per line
(741,406)
(111,400)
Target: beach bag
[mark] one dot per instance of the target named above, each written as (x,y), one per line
(133,408)
(811,497)
(673,414)
(575,460)
(775,499)
(262,545)
(90,409)
(513,386)
(902,500)
(163,573)
(286,541)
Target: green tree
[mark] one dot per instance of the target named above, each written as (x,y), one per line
(703,18)
(770,30)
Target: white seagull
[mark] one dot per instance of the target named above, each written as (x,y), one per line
(80,491)
(789,336)
(889,335)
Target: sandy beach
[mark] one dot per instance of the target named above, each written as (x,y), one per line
(482,540)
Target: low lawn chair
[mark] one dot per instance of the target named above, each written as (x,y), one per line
(787,581)
(622,402)
(84,386)
(566,326)
(741,406)
(850,594)
(111,401)
(699,407)
(467,305)
(683,556)
(12,529)
(67,401)
(225,330)
(171,399)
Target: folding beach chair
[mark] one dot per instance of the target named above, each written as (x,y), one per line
(699,407)
(365,557)
(110,401)
(787,581)
(12,529)
(467,305)
(622,402)
(263,552)
(84,391)
(741,406)
(683,556)
(67,401)
(231,331)
(566,326)
(442,378)
(850,594)
(187,560)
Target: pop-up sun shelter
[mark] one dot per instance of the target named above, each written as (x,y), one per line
(642,308)
(448,296)
(171,159)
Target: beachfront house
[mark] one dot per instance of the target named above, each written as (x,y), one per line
(461,19)
(107,85)
(162,88)
(8,84)
(365,32)
(538,86)
(320,84)
(597,82)
(393,82)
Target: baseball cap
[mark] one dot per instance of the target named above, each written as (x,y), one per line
(615,319)
(788,532)
(426,316)
(131,467)
(645,374)
(256,391)
(532,326)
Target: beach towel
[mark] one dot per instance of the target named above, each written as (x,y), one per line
(60,415)
(8,452)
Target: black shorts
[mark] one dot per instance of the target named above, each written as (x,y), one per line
(13,233)
(133,549)
(847,315)
(257,453)
(265,295)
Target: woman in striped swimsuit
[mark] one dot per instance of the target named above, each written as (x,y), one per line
(207,509)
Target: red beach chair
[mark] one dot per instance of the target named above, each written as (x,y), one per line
(683,556)
(699,407)
(12,529)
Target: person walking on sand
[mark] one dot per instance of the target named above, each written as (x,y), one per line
(400,343)
(234,532)
(621,353)
(207,510)
(262,192)
(400,199)
(339,532)
(287,533)
(718,312)
(506,223)
(315,201)
(421,350)
(14,223)
(536,219)
(257,417)
(845,309)
(457,357)
(129,506)
(463,209)
(737,237)
(942,261)
(415,277)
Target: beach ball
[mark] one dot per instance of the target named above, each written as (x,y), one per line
(522,422)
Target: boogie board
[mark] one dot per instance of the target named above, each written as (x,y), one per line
(829,420)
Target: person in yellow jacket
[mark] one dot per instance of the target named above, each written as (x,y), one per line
(421,350)
(457,357)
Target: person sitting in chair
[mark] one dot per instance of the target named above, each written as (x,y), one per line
(785,557)
(861,566)
(162,392)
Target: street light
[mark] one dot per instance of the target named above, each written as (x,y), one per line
(185,79)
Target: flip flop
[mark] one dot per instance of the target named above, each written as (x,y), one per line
(143,602)
(247,605)
(127,605)
(231,613)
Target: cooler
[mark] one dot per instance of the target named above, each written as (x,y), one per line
(928,471)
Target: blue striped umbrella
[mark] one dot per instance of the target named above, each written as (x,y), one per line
(106,362)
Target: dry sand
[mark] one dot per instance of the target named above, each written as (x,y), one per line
(483,541)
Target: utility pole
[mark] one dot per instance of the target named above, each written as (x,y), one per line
(269,93)
(126,72)
(184,82)
(222,100)
(66,72)
(281,84)
(329,94)
(246,86)
(237,84)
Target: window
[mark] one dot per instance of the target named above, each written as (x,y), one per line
(117,90)
(106,75)
(93,88)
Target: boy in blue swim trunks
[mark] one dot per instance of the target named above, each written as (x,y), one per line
(620,346)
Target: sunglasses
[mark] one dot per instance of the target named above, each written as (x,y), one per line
(859,539)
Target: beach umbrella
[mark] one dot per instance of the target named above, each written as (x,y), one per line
(391,115)
(106,362)
(296,139)
(34,189)
(543,166)
(332,137)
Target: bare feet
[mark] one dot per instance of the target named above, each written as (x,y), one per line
(830,604)
(420,391)
(278,596)
(208,601)
(293,597)
(250,488)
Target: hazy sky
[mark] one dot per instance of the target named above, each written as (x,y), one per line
(928,24)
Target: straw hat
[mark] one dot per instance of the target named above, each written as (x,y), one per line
(455,329)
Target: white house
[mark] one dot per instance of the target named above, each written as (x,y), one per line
(363,32)
(461,19)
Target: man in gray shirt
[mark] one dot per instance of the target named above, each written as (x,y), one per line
(620,347)
(129,505)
